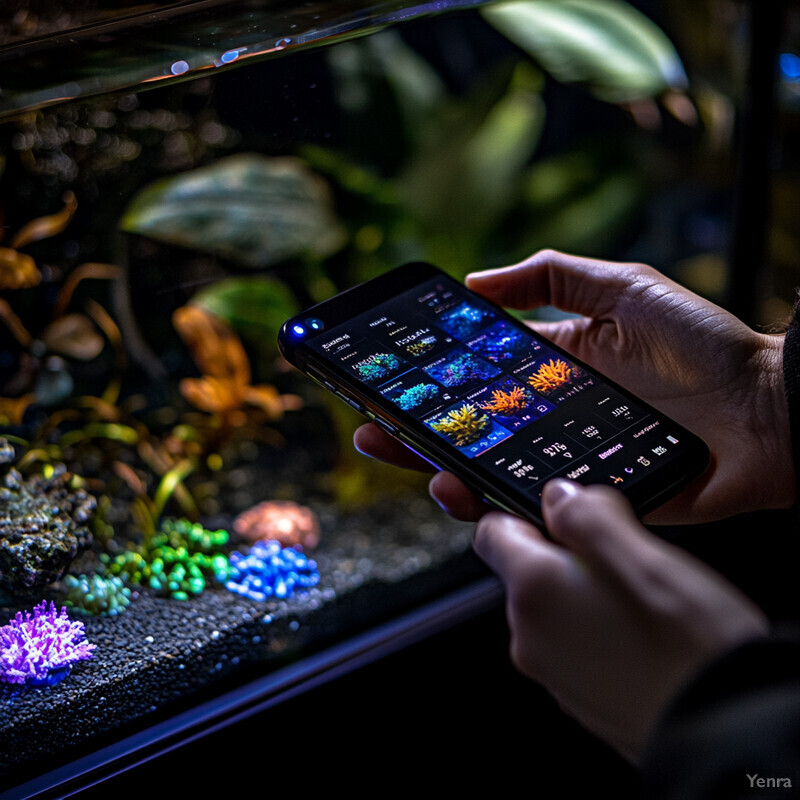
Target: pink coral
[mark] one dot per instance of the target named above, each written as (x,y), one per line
(282,520)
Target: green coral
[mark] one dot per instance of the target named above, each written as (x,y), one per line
(379,365)
(416,395)
(178,533)
(96,594)
(463,425)
(177,561)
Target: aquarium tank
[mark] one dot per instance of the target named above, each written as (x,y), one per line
(183,518)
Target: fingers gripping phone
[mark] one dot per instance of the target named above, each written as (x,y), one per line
(474,391)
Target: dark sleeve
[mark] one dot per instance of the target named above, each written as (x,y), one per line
(736,725)
(791,381)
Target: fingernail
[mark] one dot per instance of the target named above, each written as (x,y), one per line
(477,276)
(560,489)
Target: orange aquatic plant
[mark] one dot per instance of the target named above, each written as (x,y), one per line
(550,376)
(74,334)
(224,388)
(19,270)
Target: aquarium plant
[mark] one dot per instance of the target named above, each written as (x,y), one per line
(225,388)
(39,649)
(42,375)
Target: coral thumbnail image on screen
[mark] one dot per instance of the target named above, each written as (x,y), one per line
(468,428)
(461,368)
(503,342)
(416,395)
(552,376)
(378,367)
(465,320)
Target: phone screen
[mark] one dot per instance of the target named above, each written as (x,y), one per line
(505,407)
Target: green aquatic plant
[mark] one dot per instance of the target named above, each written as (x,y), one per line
(463,425)
(105,596)
(252,209)
(460,175)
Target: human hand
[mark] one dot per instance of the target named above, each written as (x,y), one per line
(609,618)
(682,354)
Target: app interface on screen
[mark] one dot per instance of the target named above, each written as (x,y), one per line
(495,392)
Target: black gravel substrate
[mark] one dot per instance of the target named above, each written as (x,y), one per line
(162,655)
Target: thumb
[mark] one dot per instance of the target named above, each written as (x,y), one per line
(598,524)
(574,284)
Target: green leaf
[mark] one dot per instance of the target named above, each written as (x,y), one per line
(382,77)
(251,209)
(586,215)
(607,44)
(467,175)
(255,307)
(350,176)
(417,87)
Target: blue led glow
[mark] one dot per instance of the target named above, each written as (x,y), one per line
(790,66)
(230,55)
(298,330)
(179,67)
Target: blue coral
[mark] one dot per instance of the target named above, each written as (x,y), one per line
(39,649)
(464,320)
(502,344)
(461,369)
(268,570)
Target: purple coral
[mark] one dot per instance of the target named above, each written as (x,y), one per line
(39,649)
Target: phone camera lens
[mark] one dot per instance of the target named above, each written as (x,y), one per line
(315,324)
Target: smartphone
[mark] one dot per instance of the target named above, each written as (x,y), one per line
(475,391)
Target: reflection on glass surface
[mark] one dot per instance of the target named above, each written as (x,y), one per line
(48,58)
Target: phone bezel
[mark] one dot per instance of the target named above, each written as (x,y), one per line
(645,495)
